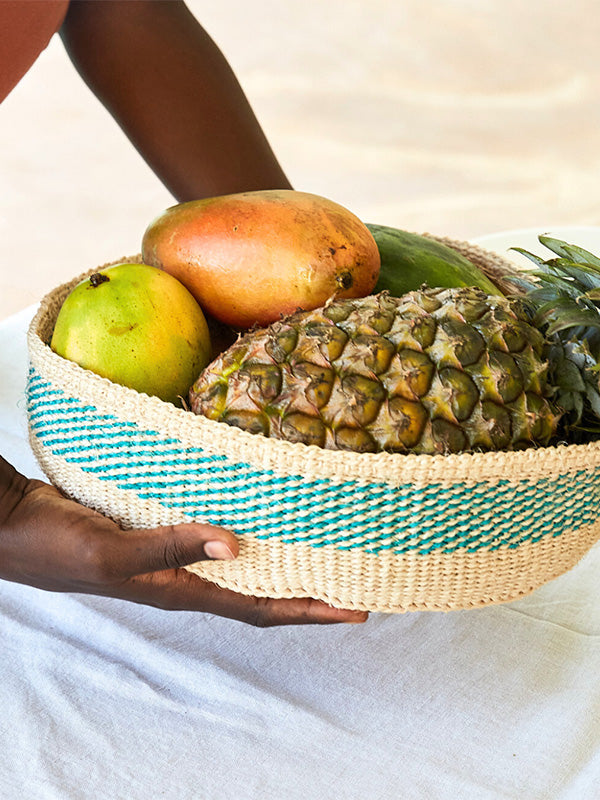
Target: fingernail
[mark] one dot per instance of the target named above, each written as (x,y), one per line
(360,617)
(218,550)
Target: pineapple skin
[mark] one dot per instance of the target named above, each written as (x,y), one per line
(435,371)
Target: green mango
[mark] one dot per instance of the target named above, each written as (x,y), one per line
(137,326)
(409,260)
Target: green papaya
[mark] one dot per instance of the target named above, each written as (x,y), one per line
(409,260)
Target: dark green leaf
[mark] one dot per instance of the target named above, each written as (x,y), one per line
(570,251)
(539,260)
(593,399)
(585,276)
(556,245)
(559,283)
(569,377)
(571,318)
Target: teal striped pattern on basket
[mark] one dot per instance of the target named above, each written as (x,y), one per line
(321,511)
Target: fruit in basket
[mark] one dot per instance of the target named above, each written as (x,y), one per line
(252,257)
(409,260)
(137,326)
(434,371)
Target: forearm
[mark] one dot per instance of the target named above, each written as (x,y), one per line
(173,93)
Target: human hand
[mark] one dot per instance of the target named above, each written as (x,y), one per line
(56,544)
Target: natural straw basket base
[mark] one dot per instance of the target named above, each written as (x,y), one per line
(381,532)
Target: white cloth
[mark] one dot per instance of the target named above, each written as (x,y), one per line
(107,700)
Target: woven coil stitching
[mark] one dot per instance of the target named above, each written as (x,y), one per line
(318,511)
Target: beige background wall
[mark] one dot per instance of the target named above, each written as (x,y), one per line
(461,117)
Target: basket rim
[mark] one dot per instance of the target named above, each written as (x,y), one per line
(218,437)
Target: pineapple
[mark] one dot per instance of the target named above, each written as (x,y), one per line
(434,371)
(563,296)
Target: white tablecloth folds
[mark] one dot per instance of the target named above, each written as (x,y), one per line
(107,700)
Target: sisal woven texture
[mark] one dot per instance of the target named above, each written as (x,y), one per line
(381,532)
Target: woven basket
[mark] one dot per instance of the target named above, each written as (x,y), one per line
(378,532)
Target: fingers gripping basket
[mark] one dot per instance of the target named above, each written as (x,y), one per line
(381,532)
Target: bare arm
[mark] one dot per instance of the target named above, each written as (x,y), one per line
(176,98)
(172,91)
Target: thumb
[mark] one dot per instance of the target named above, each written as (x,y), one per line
(172,546)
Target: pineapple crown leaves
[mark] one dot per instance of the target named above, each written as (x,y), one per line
(563,292)
(571,260)
(572,252)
